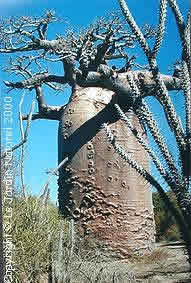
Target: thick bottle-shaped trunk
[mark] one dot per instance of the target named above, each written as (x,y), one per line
(108,201)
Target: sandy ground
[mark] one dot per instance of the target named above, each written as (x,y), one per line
(170,269)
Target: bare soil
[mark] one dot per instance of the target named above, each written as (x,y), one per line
(171,267)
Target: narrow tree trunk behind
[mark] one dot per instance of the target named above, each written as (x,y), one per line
(109,202)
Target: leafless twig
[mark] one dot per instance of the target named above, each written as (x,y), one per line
(22,147)
(46,186)
(26,133)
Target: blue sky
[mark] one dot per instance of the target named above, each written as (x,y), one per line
(41,148)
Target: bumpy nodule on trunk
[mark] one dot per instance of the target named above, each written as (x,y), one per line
(108,201)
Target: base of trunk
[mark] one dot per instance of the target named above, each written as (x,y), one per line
(136,240)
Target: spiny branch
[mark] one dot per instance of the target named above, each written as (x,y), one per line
(182,221)
(162,94)
(161,27)
(143,143)
(183,32)
(136,30)
(174,181)
(146,116)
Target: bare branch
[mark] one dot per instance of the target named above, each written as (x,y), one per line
(119,81)
(45,187)
(28,47)
(22,147)
(49,113)
(56,87)
(20,116)
(29,120)
(37,80)
(24,33)
(40,99)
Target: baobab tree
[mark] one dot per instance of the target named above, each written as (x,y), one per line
(104,189)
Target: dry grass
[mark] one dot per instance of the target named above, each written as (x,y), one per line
(70,264)
(156,256)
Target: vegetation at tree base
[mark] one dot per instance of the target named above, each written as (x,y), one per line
(165,223)
(35,231)
(43,248)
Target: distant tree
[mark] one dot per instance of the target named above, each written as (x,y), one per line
(95,188)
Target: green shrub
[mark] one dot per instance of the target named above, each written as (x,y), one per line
(166,227)
(33,231)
